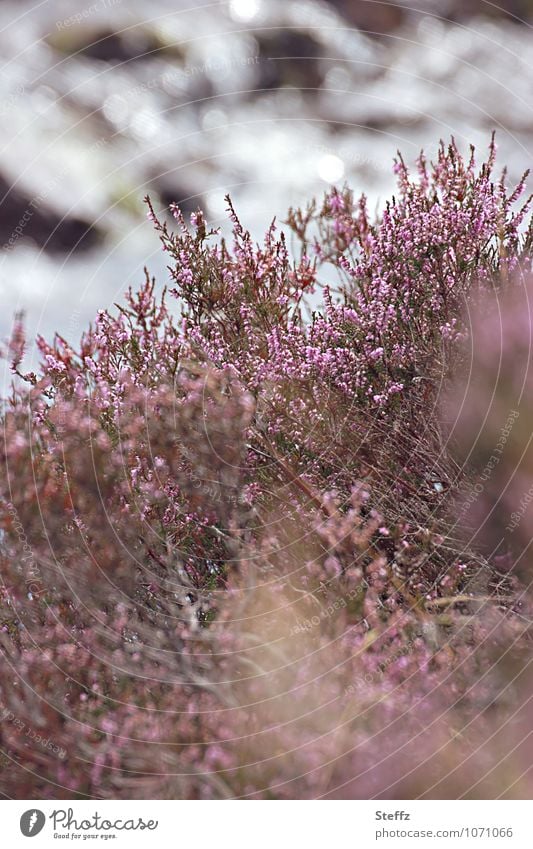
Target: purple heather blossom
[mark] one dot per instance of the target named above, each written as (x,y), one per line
(222,535)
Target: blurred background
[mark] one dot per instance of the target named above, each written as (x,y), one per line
(104,101)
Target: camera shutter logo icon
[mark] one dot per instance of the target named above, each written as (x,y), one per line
(32,822)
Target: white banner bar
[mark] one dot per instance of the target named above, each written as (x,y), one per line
(268,824)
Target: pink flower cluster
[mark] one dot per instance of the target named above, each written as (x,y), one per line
(226,547)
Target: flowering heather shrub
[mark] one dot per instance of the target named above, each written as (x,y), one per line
(490,416)
(228,556)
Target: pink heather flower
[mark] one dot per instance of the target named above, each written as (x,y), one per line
(220,527)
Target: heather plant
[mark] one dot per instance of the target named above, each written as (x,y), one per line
(228,537)
(489,418)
